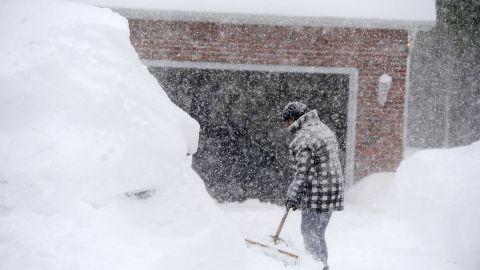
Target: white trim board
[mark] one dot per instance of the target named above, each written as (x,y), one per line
(411,38)
(352,93)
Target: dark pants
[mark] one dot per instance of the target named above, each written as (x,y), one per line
(314,224)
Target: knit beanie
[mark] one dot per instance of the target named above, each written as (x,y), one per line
(294,110)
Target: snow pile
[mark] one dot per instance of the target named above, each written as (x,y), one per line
(439,191)
(82,124)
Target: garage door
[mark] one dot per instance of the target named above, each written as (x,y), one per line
(243,147)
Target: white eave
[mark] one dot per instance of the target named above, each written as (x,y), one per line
(238,18)
(393,14)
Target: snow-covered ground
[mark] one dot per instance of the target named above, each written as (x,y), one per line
(83,124)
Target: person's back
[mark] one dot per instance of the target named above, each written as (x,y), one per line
(318,184)
(318,172)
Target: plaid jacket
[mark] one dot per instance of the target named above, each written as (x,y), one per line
(318,178)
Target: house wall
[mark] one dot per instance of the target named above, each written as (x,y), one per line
(379,130)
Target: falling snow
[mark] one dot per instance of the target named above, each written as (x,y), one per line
(155,140)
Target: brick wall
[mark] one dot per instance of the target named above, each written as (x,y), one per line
(379,130)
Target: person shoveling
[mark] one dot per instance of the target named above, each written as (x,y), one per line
(318,184)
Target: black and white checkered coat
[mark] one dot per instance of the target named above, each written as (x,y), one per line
(318,178)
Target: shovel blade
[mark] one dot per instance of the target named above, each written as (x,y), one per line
(276,253)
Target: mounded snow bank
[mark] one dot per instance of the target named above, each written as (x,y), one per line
(82,122)
(439,191)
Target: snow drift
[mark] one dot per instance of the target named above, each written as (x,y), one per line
(439,196)
(82,125)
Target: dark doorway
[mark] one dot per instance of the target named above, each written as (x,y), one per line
(243,148)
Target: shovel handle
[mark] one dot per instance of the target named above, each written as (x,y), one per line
(280,226)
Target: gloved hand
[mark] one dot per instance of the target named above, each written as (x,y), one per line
(291,204)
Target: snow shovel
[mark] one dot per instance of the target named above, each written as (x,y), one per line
(273,251)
